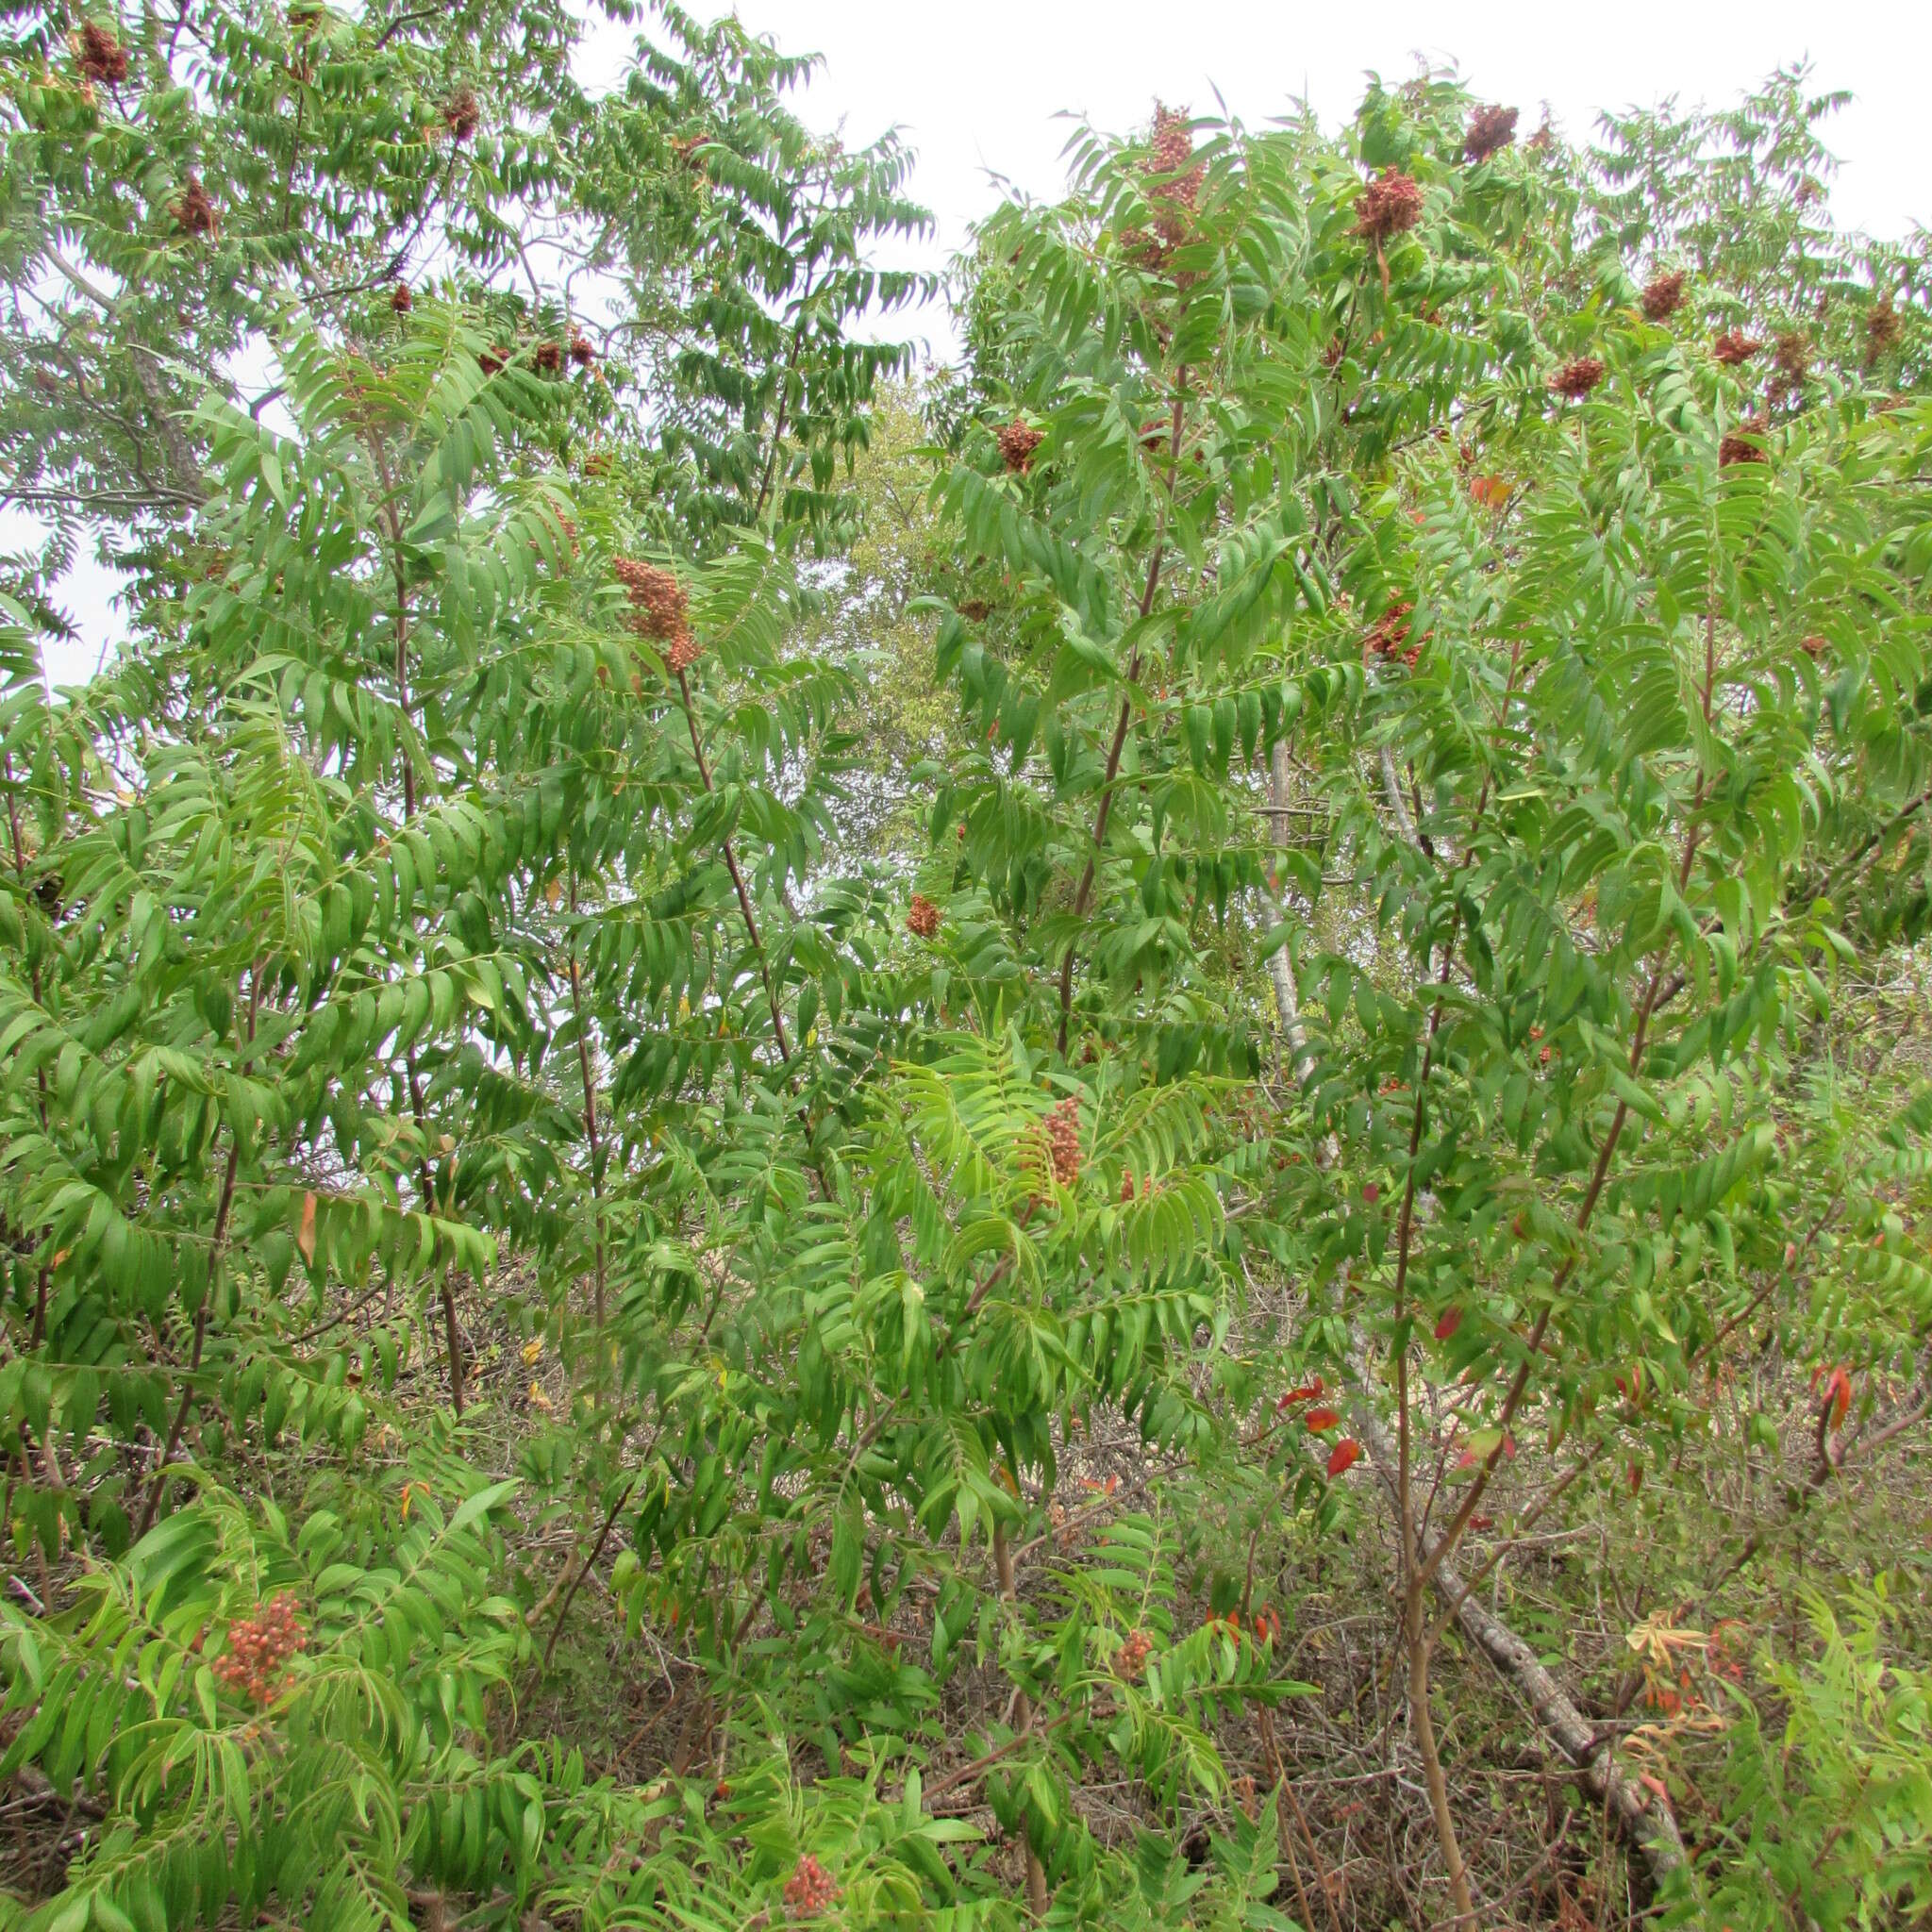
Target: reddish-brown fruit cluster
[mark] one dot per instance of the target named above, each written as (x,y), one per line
(1663,296)
(1491,131)
(1883,328)
(1577,378)
(1392,203)
(400,299)
(657,599)
(194,213)
(1133,1654)
(1792,352)
(1815,646)
(974,610)
(1331,356)
(255,1665)
(583,351)
(1389,639)
(101,56)
(1018,441)
(491,361)
(547,359)
(462,114)
(1544,139)
(809,1890)
(1063,1141)
(1171,151)
(1734,347)
(1738,447)
(923,919)
(1126,1187)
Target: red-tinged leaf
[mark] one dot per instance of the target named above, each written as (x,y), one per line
(1306,1392)
(1636,1477)
(1467,1460)
(1321,1420)
(1343,1455)
(1451,1321)
(305,1234)
(1508,1445)
(1372,1192)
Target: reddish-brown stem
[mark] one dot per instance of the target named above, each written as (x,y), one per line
(1037,1899)
(751,923)
(1126,711)
(180,1422)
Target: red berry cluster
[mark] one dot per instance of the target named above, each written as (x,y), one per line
(582,350)
(1663,296)
(1392,203)
(1018,441)
(400,299)
(547,359)
(659,609)
(1063,1141)
(255,1663)
(1169,157)
(194,213)
(1734,347)
(809,1890)
(923,918)
(1389,639)
(102,56)
(1491,131)
(1577,378)
(1739,444)
(1132,1654)
(462,114)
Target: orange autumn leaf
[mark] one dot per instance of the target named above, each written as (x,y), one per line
(305,1234)
(1321,1420)
(1451,1321)
(1344,1455)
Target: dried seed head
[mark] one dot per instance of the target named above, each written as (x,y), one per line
(194,213)
(582,351)
(1884,326)
(974,610)
(923,919)
(809,1890)
(1134,1652)
(462,114)
(659,609)
(1577,378)
(1544,139)
(1792,352)
(1663,296)
(491,361)
(547,359)
(1177,188)
(1490,131)
(1738,446)
(1392,203)
(1018,441)
(400,299)
(1062,1137)
(1735,347)
(101,54)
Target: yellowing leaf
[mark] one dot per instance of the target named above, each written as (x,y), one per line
(305,1234)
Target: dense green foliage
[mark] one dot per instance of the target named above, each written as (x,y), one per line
(681,1056)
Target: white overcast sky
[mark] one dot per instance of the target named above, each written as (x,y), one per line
(977,87)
